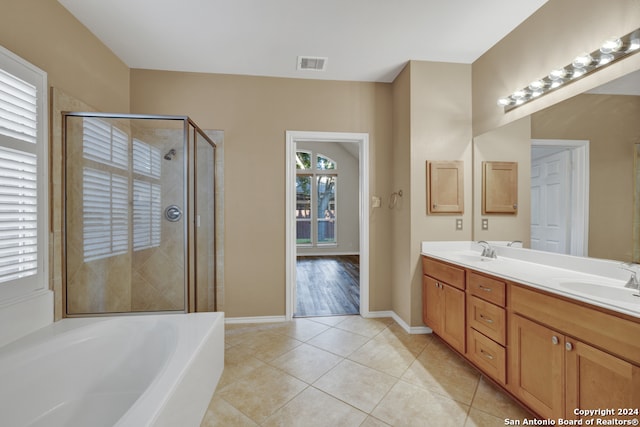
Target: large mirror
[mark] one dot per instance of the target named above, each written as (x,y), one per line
(577,175)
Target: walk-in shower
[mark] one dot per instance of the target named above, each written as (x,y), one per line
(139,214)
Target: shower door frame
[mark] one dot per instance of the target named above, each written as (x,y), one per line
(189,203)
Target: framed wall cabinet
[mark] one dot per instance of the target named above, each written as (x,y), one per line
(445,187)
(499,187)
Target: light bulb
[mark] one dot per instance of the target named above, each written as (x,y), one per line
(634,44)
(605,58)
(582,61)
(503,102)
(536,85)
(557,74)
(611,45)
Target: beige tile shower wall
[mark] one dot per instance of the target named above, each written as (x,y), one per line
(158,273)
(205,226)
(93,286)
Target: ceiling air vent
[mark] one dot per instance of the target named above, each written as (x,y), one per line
(313,63)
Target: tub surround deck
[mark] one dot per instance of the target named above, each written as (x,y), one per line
(594,281)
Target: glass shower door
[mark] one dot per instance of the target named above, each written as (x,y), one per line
(125,227)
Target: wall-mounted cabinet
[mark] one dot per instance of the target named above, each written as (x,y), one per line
(499,187)
(445,187)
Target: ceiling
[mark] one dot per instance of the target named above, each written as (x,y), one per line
(364,40)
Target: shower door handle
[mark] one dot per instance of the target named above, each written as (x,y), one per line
(173,213)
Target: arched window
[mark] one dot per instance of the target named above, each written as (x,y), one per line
(316,212)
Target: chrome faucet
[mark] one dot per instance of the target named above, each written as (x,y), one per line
(633,282)
(487,250)
(514,242)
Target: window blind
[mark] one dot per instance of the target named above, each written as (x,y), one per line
(105,214)
(18,108)
(146,215)
(146,159)
(18,214)
(105,143)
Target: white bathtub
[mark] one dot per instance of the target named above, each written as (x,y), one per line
(148,370)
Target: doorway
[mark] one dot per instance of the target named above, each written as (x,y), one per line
(312,237)
(560,196)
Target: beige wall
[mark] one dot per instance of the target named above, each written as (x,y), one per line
(550,38)
(509,143)
(610,124)
(432,121)
(255,112)
(47,35)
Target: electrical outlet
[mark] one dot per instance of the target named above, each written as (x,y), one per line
(485,223)
(376,202)
(458,223)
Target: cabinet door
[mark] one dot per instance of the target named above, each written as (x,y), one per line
(445,190)
(596,379)
(453,320)
(499,187)
(432,306)
(536,366)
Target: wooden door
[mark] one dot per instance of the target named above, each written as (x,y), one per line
(550,203)
(536,366)
(596,379)
(453,321)
(431,303)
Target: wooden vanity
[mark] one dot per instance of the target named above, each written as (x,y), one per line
(552,353)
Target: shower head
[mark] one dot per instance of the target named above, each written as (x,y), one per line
(170,154)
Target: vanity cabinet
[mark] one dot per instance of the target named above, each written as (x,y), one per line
(555,369)
(443,301)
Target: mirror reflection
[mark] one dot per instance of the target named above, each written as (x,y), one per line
(578,174)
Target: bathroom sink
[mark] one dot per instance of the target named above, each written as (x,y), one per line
(612,293)
(469,257)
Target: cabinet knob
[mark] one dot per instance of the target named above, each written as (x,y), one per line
(486,355)
(568,346)
(555,340)
(486,319)
(485,288)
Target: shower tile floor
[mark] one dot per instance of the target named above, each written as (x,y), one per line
(349,371)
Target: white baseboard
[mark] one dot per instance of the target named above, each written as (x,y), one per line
(371,314)
(257,319)
(399,321)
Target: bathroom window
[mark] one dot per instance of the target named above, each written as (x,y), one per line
(23,177)
(316,213)
(104,143)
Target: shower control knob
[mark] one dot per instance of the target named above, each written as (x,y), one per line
(173,213)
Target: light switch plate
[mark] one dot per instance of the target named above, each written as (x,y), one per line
(485,223)
(376,202)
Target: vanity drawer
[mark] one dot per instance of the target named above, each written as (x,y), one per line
(487,355)
(487,318)
(487,288)
(449,274)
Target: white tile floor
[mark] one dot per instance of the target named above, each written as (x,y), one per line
(349,371)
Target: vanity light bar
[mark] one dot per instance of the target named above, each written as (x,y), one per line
(611,51)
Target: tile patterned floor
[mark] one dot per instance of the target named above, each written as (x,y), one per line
(349,371)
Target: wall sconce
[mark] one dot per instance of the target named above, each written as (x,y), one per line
(611,51)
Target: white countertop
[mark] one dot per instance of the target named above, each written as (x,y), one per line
(591,280)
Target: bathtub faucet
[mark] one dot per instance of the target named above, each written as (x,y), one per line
(487,250)
(633,282)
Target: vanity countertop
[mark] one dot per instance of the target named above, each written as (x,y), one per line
(595,281)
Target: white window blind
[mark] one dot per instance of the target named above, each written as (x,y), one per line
(18,108)
(146,159)
(18,214)
(146,215)
(105,143)
(105,214)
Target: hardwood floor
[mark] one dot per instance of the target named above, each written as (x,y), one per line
(327,285)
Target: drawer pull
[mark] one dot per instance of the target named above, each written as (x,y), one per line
(554,340)
(486,319)
(484,288)
(486,355)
